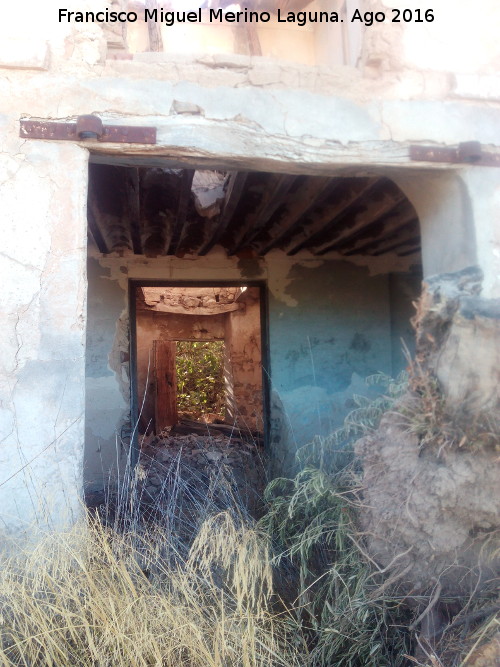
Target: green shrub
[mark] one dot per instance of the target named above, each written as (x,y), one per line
(200,377)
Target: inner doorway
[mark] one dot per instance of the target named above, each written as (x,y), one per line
(198,358)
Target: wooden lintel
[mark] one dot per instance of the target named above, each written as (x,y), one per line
(216,309)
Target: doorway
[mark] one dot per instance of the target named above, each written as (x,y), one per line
(197,352)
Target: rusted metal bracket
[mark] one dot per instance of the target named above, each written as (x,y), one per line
(87,127)
(468,152)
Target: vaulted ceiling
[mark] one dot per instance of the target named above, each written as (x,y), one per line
(157,211)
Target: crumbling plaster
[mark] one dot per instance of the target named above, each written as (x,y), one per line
(330,324)
(276,128)
(249,113)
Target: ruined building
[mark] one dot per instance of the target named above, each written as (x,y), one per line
(282,188)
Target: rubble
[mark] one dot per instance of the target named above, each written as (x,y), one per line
(210,462)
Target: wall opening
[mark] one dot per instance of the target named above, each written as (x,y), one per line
(201,391)
(197,385)
(198,361)
(339,256)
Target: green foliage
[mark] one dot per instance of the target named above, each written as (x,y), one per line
(200,377)
(313,519)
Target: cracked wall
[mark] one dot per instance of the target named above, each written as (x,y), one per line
(42,345)
(330,324)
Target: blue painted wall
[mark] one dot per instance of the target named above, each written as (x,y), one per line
(344,327)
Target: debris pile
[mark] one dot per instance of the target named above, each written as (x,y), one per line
(215,464)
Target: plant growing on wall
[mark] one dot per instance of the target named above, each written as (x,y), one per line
(200,377)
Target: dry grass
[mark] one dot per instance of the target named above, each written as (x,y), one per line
(92,597)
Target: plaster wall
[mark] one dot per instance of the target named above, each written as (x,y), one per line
(329,326)
(42,333)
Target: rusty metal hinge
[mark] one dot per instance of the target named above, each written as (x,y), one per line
(87,127)
(468,152)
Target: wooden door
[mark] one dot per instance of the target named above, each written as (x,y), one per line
(166,384)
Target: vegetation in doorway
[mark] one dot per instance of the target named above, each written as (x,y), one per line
(200,378)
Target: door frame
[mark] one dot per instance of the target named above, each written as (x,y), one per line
(133,284)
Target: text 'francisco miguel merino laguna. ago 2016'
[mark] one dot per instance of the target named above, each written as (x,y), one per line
(170,18)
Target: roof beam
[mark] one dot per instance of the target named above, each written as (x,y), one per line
(182,208)
(96,232)
(316,190)
(349,194)
(410,229)
(134,208)
(108,201)
(234,192)
(412,242)
(384,227)
(360,215)
(271,201)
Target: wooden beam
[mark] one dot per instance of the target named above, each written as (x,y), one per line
(158,194)
(272,199)
(315,191)
(412,251)
(96,232)
(134,208)
(234,192)
(365,211)
(350,192)
(386,244)
(401,245)
(108,201)
(182,208)
(386,233)
(386,225)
